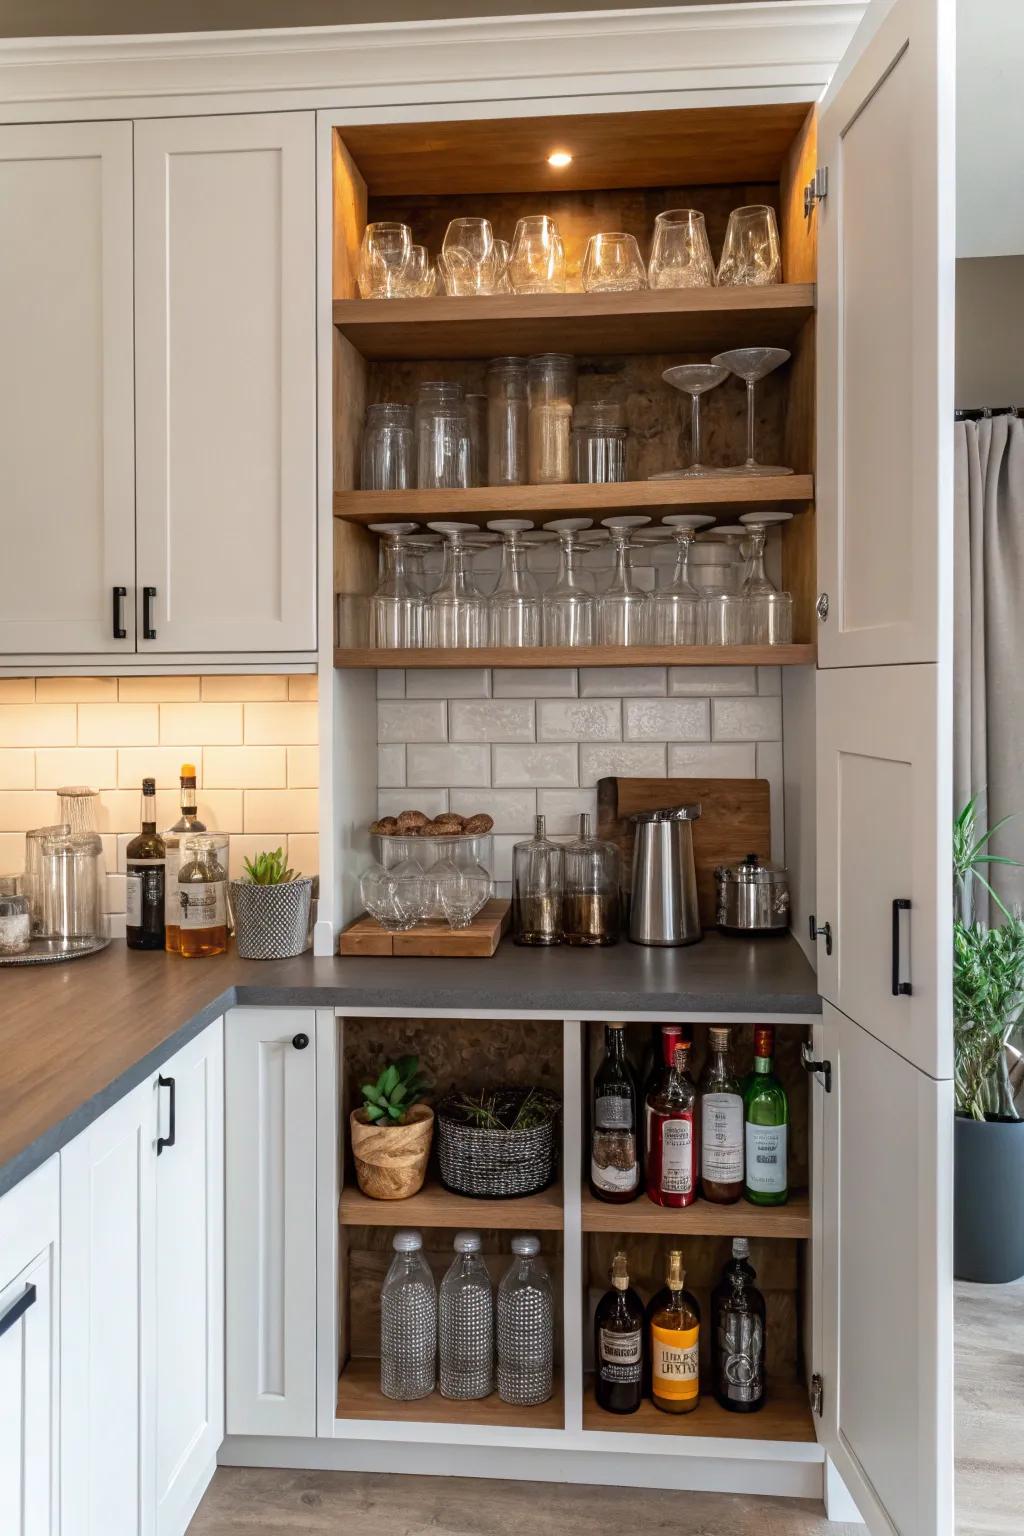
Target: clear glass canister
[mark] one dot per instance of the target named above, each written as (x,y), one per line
(508,409)
(552,382)
(70,881)
(388,462)
(202,909)
(442,436)
(599,443)
(466,1325)
(408,1323)
(34,871)
(526,1344)
(590,908)
(15,922)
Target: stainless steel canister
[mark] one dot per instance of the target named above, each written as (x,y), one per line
(752,897)
(663,908)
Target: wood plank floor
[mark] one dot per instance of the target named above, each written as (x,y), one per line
(989,1364)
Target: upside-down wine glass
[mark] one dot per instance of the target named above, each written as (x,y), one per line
(396,608)
(769,612)
(513,608)
(621,606)
(694,379)
(674,613)
(752,364)
(567,611)
(454,614)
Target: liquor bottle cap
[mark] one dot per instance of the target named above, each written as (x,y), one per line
(719,1036)
(620,1272)
(615,1026)
(676,1277)
(467,1242)
(526,1245)
(149,786)
(764,1040)
(407,1242)
(188,771)
(740,1248)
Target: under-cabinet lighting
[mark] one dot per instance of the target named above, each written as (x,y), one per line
(559,159)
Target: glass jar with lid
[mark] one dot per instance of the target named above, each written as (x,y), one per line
(508,411)
(590,907)
(537,886)
(15,921)
(599,442)
(202,895)
(71,889)
(442,436)
(552,382)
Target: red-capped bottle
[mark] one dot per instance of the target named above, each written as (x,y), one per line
(674,1161)
(664,1039)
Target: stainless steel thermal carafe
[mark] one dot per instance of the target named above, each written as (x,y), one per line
(663,908)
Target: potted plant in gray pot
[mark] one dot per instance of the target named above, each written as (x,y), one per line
(271,906)
(988,1001)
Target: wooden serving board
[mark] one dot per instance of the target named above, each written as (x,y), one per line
(735,820)
(366,937)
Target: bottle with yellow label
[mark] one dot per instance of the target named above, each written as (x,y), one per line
(674,1327)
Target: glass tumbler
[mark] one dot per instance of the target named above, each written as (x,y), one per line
(751,254)
(770,618)
(536,262)
(383,257)
(387,460)
(552,383)
(612,264)
(34,841)
(15,920)
(508,410)
(469,261)
(725,619)
(396,608)
(680,253)
(442,436)
(598,443)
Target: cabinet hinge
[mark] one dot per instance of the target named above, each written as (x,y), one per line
(816,190)
(816,1393)
(822,1068)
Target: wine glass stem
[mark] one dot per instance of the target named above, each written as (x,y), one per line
(750,422)
(695,431)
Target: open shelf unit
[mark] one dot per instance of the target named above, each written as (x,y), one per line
(360,1397)
(582,656)
(701,1219)
(786,1415)
(436,1206)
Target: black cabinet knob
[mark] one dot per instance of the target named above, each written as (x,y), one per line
(300,1042)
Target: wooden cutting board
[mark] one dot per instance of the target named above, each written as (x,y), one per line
(366,937)
(735,820)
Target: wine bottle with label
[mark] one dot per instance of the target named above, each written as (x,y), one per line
(721,1123)
(675,1343)
(614,1123)
(619,1344)
(145,864)
(673,1162)
(766,1124)
(187,822)
(738,1334)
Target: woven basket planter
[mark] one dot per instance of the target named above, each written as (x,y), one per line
(271,921)
(391,1160)
(496,1164)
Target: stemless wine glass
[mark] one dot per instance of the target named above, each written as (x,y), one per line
(513,608)
(567,615)
(752,364)
(419,277)
(396,608)
(751,255)
(410,894)
(376,889)
(383,258)
(470,261)
(694,379)
(613,264)
(454,614)
(680,253)
(463,893)
(536,261)
(769,612)
(675,612)
(621,606)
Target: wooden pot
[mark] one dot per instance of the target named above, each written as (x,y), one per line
(391,1160)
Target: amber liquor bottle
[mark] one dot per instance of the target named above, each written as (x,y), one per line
(673,1131)
(202,896)
(721,1123)
(187,822)
(619,1344)
(738,1334)
(145,862)
(614,1123)
(674,1323)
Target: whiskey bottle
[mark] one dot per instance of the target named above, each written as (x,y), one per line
(187,822)
(721,1123)
(146,869)
(619,1344)
(672,1165)
(614,1128)
(738,1334)
(202,895)
(675,1343)
(766,1122)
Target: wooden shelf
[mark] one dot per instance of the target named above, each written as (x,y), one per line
(665,321)
(702,1219)
(786,1415)
(584,656)
(544,503)
(435,1206)
(360,1397)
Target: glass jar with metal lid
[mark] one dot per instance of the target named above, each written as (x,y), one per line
(752,897)
(15,923)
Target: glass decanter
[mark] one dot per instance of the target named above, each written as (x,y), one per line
(513,608)
(396,608)
(590,907)
(537,887)
(568,608)
(674,612)
(621,606)
(454,614)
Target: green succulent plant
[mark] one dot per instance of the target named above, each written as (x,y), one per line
(269,869)
(397,1089)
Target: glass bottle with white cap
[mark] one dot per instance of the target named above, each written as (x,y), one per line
(466,1324)
(408,1322)
(526,1349)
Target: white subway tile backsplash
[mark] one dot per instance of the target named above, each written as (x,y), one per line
(422,720)
(646,682)
(213,724)
(564,807)
(244,690)
(758,719)
(501,866)
(391,683)
(513,810)
(579,720)
(95,766)
(159,690)
(447,683)
(426,764)
(769,766)
(391,766)
(17,690)
(12,850)
(248,844)
(392,802)
(632,760)
(302,687)
(535,683)
(491,720)
(291,724)
(707,681)
(40,725)
(76,690)
(666,720)
(295,810)
(545,765)
(769,680)
(303,768)
(18,768)
(712,760)
(254,767)
(161,763)
(304,852)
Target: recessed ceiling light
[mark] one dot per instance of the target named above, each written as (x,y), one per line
(560,158)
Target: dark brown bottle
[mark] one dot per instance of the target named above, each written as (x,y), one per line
(146,862)
(738,1334)
(619,1344)
(615,1123)
(721,1123)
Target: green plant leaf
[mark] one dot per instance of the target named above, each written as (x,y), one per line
(389,1082)
(370,1091)
(374,1112)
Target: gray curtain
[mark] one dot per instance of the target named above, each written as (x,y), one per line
(988,716)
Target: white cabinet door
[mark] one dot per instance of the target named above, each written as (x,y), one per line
(189,1385)
(29,1376)
(884,797)
(270,1220)
(67,475)
(226,382)
(885,341)
(887,1283)
(108,1255)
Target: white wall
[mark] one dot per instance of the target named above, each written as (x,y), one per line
(989,124)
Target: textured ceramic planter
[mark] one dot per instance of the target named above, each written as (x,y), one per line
(271,921)
(988,1202)
(391,1160)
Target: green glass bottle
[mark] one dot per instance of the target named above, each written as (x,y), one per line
(766,1126)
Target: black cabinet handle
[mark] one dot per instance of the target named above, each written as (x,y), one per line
(148,596)
(17,1309)
(168,1140)
(899,988)
(300,1042)
(120,593)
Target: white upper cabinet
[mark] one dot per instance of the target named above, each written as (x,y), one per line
(226,383)
(67,493)
(885,341)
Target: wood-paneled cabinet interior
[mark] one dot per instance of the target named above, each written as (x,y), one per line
(270,1194)
(29,1371)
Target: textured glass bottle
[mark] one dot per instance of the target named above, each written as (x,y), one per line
(614,1124)
(738,1334)
(537,887)
(619,1344)
(590,909)
(721,1123)
(466,1327)
(526,1345)
(766,1125)
(408,1322)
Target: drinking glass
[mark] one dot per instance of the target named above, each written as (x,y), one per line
(419,278)
(375,889)
(680,253)
(464,893)
(599,443)
(470,262)
(567,610)
(613,264)
(674,613)
(508,412)
(769,612)
(725,618)
(621,608)
(409,897)
(694,379)
(387,460)
(752,364)
(454,615)
(396,608)
(502,251)
(442,436)
(513,608)
(383,258)
(536,261)
(418,548)
(755,525)
(751,255)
